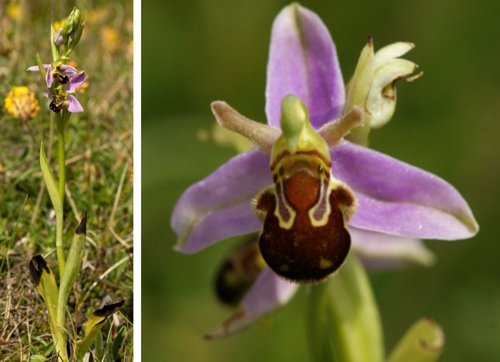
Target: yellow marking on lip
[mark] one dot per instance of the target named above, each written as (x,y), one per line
(282,203)
(300,155)
(325,263)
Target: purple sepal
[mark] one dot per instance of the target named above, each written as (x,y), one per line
(74,106)
(220,205)
(303,61)
(400,199)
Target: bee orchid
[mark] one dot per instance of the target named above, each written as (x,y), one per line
(309,193)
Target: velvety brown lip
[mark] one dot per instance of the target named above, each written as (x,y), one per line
(305,253)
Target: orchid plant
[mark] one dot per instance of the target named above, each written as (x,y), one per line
(61,81)
(317,199)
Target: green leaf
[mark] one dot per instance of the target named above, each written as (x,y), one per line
(73,263)
(42,70)
(50,182)
(99,347)
(55,52)
(49,349)
(423,342)
(55,198)
(45,283)
(93,326)
(37,358)
(73,266)
(115,349)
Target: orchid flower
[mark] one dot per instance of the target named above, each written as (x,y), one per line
(311,193)
(70,78)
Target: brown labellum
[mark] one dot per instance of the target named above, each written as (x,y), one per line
(309,250)
(58,103)
(59,75)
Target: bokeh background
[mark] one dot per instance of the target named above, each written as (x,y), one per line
(446,122)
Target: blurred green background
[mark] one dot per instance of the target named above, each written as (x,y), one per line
(447,122)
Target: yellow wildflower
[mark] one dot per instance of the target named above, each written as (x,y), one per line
(110,38)
(21,103)
(12,10)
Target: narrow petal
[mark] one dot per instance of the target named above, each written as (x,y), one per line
(58,39)
(334,131)
(382,251)
(48,76)
(220,224)
(74,105)
(48,95)
(68,70)
(400,199)
(394,50)
(36,69)
(261,134)
(220,205)
(303,62)
(268,293)
(76,81)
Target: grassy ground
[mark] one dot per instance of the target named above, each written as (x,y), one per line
(99,176)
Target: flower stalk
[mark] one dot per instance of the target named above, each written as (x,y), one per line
(343,318)
(60,124)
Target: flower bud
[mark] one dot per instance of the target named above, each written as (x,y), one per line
(357,92)
(77,34)
(71,22)
(389,68)
(373,86)
(424,341)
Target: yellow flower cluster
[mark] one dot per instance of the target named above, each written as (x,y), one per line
(21,103)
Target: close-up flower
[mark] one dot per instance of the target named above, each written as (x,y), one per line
(312,194)
(22,103)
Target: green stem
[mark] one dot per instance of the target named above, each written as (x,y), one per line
(317,326)
(62,156)
(347,316)
(60,121)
